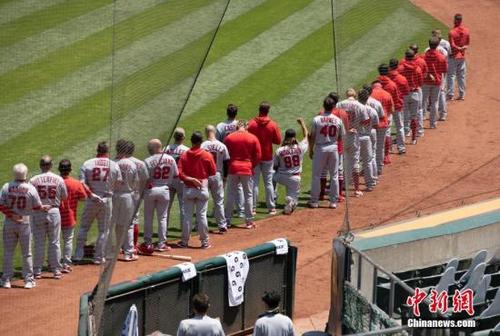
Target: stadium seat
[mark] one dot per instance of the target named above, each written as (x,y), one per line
(447,279)
(482,289)
(475,278)
(494,308)
(479,258)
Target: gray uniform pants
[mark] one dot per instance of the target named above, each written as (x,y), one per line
(457,70)
(442,105)
(101,212)
(291,183)
(177,188)
(122,219)
(232,192)
(381,133)
(411,107)
(373,138)
(366,158)
(67,245)
(398,120)
(266,169)
(420,112)
(156,199)
(325,157)
(351,154)
(431,93)
(216,186)
(12,234)
(46,226)
(195,200)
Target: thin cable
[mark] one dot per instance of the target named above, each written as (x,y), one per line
(334,46)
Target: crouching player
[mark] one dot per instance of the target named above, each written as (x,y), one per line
(288,165)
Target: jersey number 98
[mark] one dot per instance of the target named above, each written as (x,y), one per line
(292,161)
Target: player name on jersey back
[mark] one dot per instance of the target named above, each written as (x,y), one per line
(50,187)
(162,169)
(101,175)
(219,152)
(327,129)
(129,173)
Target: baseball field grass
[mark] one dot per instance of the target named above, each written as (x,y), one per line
(75,73)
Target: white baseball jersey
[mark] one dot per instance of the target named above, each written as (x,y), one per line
(326,129)
(101,174)
(356,111)
(130,176)
(162,168)
(225,128)
(377,106)
(374,120)
(175,151)
(142,173)
(289,158)
(51,188)
(219,152)
(21,197)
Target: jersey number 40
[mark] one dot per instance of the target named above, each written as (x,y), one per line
(328,131)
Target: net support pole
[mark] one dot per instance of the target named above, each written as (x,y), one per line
(334,326)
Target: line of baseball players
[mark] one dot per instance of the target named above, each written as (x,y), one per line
(348,138)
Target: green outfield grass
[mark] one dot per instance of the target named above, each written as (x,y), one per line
(65,87)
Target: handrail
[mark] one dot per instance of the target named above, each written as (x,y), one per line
(387,331)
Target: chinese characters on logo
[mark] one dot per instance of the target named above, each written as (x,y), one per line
(462,301)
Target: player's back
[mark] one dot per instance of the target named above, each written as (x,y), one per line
(374,120)
(50,187)
(162,168)
(129,173)
(100,174)
(175,150)
(225,128)
(326,129)
(218,151)
(21,197)
(291,157)
(142,172)
(355,110)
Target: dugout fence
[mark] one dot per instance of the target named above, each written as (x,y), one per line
(163,299)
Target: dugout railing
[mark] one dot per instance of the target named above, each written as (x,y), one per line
(163,299)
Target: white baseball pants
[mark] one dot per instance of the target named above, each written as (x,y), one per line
(47,227)
(216,186)
(266,169)
(232,192)
(156,199)
(195,200)
(325,157)
(12,234)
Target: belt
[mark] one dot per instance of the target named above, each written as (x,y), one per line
(294,174)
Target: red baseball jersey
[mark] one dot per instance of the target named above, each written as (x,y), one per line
(68,207)
(459,36)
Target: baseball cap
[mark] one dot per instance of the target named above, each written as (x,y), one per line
(64,165)
(290,133)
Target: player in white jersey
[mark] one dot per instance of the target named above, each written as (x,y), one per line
(101,175)
(18,200)
(216,183)
(223,130)
(124,200)
(175,150)
(47,226)
(326,131)
(288,161)
(379,109)
(162,170)
(445,49)
(367,154)
(143,176)
(357,119)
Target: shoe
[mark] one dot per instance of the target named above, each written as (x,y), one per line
(222,230)
(181,245)
(461,98)
(6,284)
(254,212)
(387,159)
(407,134)
(358,193)
(98,261)
(420,135)
(433,126)
(37,275)
(162,247)
(57,275)
(340,199)
(414,142)
(313,205)
(241,215)
(205,246)
(272,212)
(66,269)
(449,98)
(442,118)
(29,284)
(370,188)
(333,205)
(402,151)
(250,225)
(130,257)
(288,206)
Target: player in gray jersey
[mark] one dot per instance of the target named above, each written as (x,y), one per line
(445,49)
(216,183)
(379,109)
(357,119)
(18,201)
(200,324)
(143,176)
(272,323)
(367,154)
(288,161)
(175,150)
(101,175)
(162,170)
(326,131)
(124,201)
(223,130)
(46,226)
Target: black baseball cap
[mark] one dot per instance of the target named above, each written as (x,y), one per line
(290,133)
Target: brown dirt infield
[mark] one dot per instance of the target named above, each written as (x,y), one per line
(455,164)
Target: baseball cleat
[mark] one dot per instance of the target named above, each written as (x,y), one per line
(66,269)
(414,142)
(241,215)
(57,275)
(434,126)
(402,151)
(449,98)
(181,245)
(250,225)
(37,275)
(254,212)
(98,261)
(358,193)
(29,284)
(313,205)
(205,246)
(6,284)
(162,247)
(272,212)
(288,206)
(461,98)
(333,205)
(130,257)
(222,230)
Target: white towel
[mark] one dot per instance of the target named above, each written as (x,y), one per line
(237,271)
(188,271)
(131,326)
(281,245)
